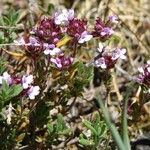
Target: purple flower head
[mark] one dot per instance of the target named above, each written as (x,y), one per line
(144,76)
(113,19)
(48,31)
(62,61)
(31,44)
(101,30)
(76,29)
(64,16)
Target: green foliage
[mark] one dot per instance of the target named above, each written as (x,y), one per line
(2,37)
(98,131)
(57,129)
(122,142)
(3,63)
(7,137)
(8,23)
(8,92)
(82,78)
(11,18)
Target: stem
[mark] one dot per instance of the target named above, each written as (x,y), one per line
(74,49)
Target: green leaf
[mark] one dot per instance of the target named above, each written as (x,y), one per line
(8,92)
(16,90)
(89,126)
(64,131)
(60,123)
(86,142)
(50,128)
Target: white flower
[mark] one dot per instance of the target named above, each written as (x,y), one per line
(141,70)
(119,53)
(6,77)
(148,69)
(85,37)
(26,81)
(101,63)
(33,91)
(57,62)
(64,16)
(148,62)
(70,13)
(51,50)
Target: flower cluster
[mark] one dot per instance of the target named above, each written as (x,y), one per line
(62,62)
(77,29)
(104,30)
(49,31)
(31,44)
(26,83)
(107,59)
(144,76)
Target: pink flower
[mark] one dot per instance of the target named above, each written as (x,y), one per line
(102,30)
